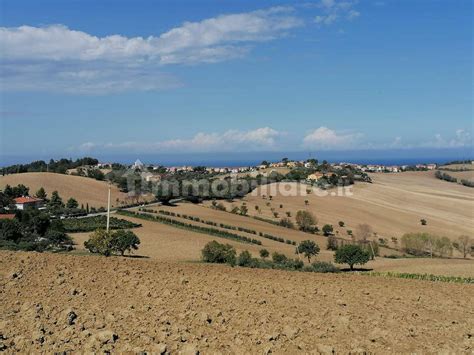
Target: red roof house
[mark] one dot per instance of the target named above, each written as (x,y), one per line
(27,202)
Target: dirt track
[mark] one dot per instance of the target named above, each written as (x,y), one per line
(64,303)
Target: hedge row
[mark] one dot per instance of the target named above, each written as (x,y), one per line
(191,227)
(89,224)
(426,277)
(225,226)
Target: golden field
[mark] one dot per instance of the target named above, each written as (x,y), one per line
(393,205)
(84,190)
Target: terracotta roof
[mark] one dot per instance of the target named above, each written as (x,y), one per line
(7,216)
(27,199)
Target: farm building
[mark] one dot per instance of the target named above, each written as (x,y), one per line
(24,202)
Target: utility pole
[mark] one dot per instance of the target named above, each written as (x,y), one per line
(108,210)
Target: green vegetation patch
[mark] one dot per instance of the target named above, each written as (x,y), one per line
(425,277)
(90,224)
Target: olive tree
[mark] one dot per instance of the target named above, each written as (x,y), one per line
(308,248)
(351,254)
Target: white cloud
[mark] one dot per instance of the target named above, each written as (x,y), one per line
(66,58)
(334,11)
(461,138)
(325,138)
(231,140)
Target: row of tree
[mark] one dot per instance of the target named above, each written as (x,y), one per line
(53,166)
(425,244)
(215,252)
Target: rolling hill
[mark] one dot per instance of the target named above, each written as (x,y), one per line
(84,190)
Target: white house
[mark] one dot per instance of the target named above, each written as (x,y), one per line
(24,202)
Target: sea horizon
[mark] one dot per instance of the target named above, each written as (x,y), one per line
(382,157)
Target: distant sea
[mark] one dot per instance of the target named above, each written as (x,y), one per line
(385,157)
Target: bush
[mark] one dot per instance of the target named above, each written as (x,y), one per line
(215,252)
(287,223)
(341,224)
(327,229)
(324,267)
(100,242)
(244,259)
(279,258)
(352,255)
(264,253)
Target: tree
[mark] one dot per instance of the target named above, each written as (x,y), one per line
(264,253)
(100,242)
(214,252)
(243,210)
(306,202)
(327,230)
(305,220)
(364,231)
(124,240)
(423,222)
(464,245)
(308,248)
(72,203)
(41,193)
(56,201)
(341,224)
(443,246)
(351,254)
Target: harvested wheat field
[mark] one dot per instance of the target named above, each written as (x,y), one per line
(84,190)
(56,303)
(163,242)
(392,205)
(166,243)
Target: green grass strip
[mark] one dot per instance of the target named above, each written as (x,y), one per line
(425,277)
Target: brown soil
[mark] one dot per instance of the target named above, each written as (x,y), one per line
(55,303)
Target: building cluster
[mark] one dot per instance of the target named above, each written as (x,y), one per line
(151,171)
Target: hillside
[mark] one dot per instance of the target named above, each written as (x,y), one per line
(393,205)
(64,303)
(84,190)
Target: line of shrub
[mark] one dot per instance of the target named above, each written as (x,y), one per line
(191,227)
(215,252)
(425,277)
(444,176)
(467,183)
(89,224)
(222,225)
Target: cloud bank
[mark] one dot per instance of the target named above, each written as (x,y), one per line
(270,139)
(56,58)
(229,141)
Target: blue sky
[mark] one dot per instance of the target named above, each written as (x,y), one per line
(160,77)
